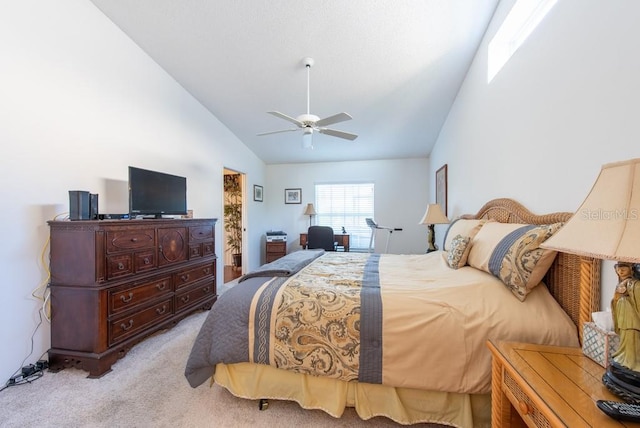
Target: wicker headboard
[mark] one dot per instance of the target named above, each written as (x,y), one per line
(574,281)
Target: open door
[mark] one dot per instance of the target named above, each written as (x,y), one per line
(233,223)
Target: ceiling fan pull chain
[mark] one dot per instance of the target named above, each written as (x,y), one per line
(308,91)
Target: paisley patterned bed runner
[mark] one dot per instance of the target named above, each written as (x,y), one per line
(321,323)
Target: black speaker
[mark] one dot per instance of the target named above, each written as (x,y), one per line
(79,205)
(93,206)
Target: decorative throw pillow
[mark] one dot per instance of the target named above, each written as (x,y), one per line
(457,255)
(512,253)
(461,226)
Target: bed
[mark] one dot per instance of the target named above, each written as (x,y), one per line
(400,336)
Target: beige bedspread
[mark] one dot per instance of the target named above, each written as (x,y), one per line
(437,322)
(430,333)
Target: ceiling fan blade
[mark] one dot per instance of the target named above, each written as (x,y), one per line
(339,134)
(287,118)
(340,117)
(277,132)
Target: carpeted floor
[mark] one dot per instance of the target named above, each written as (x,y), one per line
(147,388)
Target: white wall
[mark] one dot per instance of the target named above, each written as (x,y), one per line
(79,103)
(401,197)
(566,103)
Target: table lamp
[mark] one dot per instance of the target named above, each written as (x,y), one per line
(433,215)
(607,226)
(310,211)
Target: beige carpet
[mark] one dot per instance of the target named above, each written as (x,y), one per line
(147,388)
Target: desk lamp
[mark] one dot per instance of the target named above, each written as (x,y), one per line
(607,226)
(433,215)
(310,211)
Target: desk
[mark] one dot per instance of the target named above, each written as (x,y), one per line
(342,240)
(547,386)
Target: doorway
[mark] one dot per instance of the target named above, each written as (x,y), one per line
(233,223)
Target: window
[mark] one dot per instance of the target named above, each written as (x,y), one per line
(524,17)
(346,205)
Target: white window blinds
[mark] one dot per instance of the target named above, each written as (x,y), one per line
(346,205)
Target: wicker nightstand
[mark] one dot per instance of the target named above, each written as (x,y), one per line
(546,386)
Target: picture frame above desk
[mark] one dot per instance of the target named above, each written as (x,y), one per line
(292,196)
(342,240)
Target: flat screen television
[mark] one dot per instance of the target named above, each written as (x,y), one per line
(153,193)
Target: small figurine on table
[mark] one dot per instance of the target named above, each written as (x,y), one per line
(625,307)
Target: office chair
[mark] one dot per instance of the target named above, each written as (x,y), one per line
(321,237)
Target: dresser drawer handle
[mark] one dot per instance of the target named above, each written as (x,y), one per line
(161,311)
(206,289)
(161,286)
(134,239)
(206,271)
(185,277)
(126,300)
(146,260)
(120,266)
(525,409)
(185,299)
(126,327)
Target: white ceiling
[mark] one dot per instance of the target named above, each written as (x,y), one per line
(394,65)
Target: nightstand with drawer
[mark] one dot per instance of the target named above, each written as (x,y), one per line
(546,386)
(275,250)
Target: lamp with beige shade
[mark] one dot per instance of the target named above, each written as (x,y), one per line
(607,226)
(310,211)
(432,216)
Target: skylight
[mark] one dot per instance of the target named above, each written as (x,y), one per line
(524,17)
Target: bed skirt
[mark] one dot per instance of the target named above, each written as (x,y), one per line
(403,405)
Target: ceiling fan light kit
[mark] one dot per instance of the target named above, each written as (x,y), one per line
(310,122)
(307,138)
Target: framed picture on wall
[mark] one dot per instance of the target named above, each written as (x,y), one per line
(292,196)
(441,188)
(257,193)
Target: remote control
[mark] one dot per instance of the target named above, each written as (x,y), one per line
(619,410)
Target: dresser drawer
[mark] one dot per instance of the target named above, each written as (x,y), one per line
(144,261)
(125,327)
(189,276)
(201,233)
(132,295)
(193,295)
(123,240)
(200,241)
(276,247)
(200,250)
(208,248)
(119,266)
(271,257)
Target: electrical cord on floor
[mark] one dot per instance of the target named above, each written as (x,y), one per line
(22,380)
(27,374)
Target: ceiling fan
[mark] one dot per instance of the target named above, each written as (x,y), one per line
(310,123)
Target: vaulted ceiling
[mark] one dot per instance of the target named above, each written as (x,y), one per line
(394,65)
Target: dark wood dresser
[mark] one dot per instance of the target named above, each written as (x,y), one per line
(115,282)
